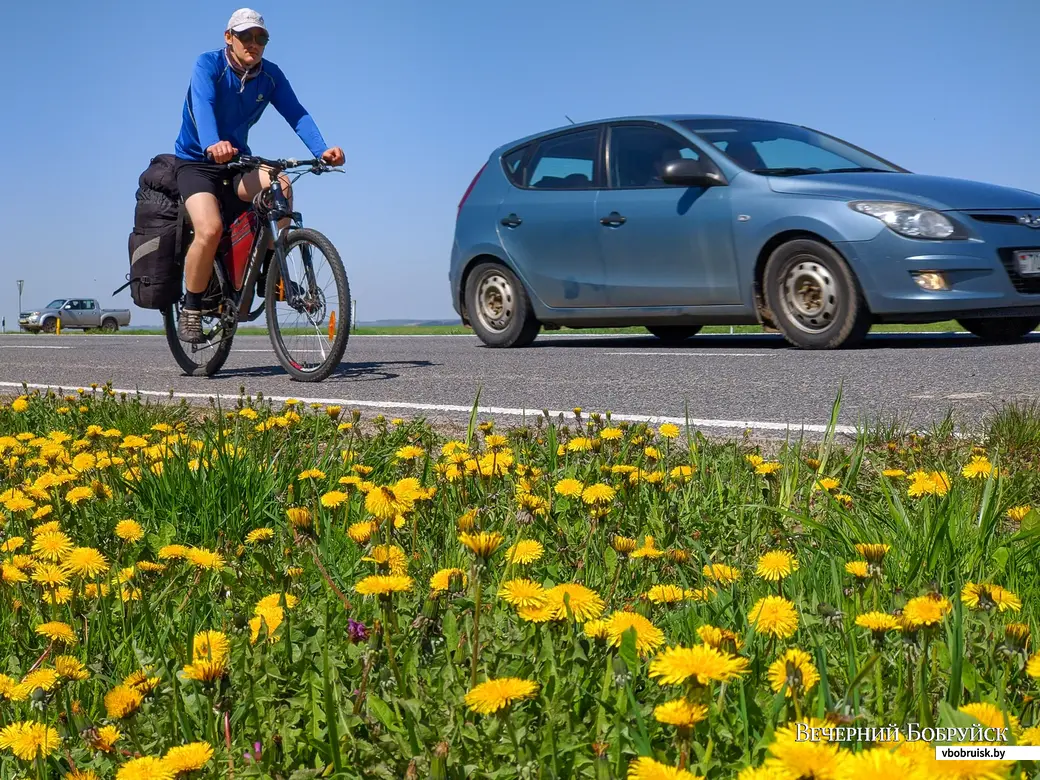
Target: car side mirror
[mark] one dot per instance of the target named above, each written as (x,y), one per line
(690,173)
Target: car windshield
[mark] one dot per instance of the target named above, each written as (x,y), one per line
(57,303)
(778,149)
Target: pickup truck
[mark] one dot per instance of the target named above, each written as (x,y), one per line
(81,313)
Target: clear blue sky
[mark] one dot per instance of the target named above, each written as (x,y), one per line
(418,93)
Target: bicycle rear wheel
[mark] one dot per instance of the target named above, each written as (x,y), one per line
(308,315)
(205,359)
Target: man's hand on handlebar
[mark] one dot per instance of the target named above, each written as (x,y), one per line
(221,152)
(333,156)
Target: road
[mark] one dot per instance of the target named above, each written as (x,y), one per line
(727,383)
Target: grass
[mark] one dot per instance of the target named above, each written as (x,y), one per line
(577,563)
(949,326)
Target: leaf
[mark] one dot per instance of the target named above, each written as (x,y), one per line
(382,712)
(610,560)
(450,629)
(1000,559)
(628,651)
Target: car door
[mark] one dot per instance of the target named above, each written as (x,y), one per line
(71,315)
(547,220)
(663,245)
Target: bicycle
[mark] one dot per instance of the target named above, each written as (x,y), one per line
(245,263)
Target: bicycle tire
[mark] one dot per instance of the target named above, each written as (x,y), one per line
(183,358)
(332,360)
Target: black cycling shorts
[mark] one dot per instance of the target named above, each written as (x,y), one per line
(194,177)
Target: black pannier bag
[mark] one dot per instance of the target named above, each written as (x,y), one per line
(155,244)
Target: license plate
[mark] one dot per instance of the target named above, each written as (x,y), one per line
(1028,263)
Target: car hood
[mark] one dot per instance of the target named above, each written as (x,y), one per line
(935,192)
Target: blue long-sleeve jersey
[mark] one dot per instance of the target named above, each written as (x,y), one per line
(219,106)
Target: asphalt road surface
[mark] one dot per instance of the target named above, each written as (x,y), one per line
(723,383)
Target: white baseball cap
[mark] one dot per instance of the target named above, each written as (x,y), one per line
(244,19)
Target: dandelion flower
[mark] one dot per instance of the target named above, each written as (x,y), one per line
(680,713)
(146,768)
(598,494)
(624,545)
(985,597)
(52,546)
(409,452)
(989,715)
(122,701)
(210,657)
(299,516)
(1017,513)
(925,611)
(29,740)
(129,531)
(483,544)
(669,430)
(776,565)
(361,532)
(188,758)
(721,573)
(333,499)
(259,535)
(57,632)
(648,550)
(877,622)
(874,553)
(389,556)
(804,758)
(858,569)
(595,629)
(794,669)
(570,488)
(70,668)
(493,695)
(377,585)
(441,581)
(774,615)
(523,593)
(583,603)
(205,559)
(978,467)
(701,663)
(525,551)
(646,768)
(720,638)
(86,562)
(648,636)
(1033,666)
(105,739)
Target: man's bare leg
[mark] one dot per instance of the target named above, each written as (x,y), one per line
(249,184)
(204,211)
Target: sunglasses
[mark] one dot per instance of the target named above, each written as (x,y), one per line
(248,36)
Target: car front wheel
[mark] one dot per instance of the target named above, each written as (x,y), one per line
(498,307)
(814,297)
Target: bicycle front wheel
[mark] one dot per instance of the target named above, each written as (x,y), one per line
(308,314)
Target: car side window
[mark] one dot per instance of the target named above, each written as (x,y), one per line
(566,161)
(638,154)
(513,163)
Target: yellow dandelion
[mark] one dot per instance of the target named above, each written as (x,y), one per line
(598,494)
(188,758)
(666,594)
(57,632)
(646,768)
(680,713)
(774,615)
(523,593)
(361,532)
(877,622)
(299,516)
(979,466)
(570,488)
(720,638)
(122,701)
(583,603)
(483,544)
(129,531)
(441,582)
(1017,513)
(776,565)
(525,551)
(333,499)
(858,569)
(86,562)
(925,611)
(648,636)
(146,768)
(794,669)
(258,535)
(52,546)
(986,597)
(378,585)
(721,573)
(494,695)
(701,664)
(70,668)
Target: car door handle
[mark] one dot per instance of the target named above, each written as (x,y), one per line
(613,219)
(511,221)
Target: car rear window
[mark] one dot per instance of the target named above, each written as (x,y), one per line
(512,163)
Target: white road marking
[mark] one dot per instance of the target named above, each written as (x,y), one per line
(695,354)
(32,346)
(966,396)
(488,410)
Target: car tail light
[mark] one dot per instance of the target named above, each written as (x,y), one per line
(469,189)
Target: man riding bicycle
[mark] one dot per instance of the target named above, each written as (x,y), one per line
(229,90)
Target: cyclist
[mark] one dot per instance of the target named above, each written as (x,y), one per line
(229,90)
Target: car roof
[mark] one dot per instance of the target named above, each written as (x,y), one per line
(631,118)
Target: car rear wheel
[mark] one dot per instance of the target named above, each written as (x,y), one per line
(498,307)
(1000,330)
(109,325)
(814,297)
(674,334)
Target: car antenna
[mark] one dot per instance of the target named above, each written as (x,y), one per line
(569,119)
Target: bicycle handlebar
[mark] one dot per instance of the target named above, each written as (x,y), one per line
(248,162)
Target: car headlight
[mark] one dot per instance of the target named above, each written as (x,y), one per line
(908,219)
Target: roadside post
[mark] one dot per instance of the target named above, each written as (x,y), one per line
(21,283)
(57,327)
